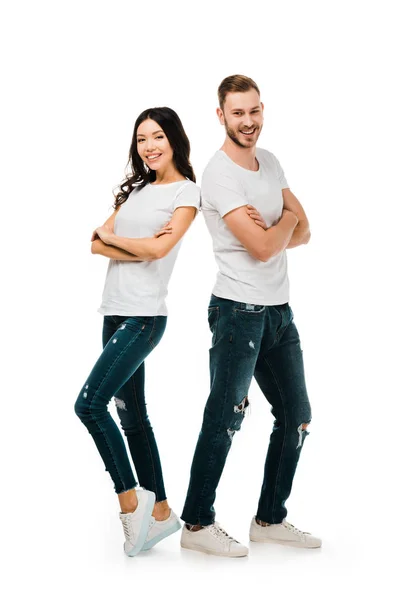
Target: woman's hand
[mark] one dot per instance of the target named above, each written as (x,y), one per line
(167,228)
(256,216)
(104,233)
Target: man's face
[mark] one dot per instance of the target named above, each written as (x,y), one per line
(242,116)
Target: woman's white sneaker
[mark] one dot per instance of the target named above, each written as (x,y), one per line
(212,539)
(136,524)
(284,533)
(158,530)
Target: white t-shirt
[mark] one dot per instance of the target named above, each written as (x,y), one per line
(140,288)
(224,187)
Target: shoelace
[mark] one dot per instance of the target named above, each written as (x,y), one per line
(294,529)
(220,534)
(129,536)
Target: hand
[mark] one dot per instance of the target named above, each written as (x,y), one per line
(104,233)
(167,228)
(256,216)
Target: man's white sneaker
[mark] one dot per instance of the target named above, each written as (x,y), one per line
(283,533)
(212,539)
(136,524)
(158,530)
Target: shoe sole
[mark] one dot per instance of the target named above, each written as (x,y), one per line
(144,527)
(213,552)
(161,536)
(283,543)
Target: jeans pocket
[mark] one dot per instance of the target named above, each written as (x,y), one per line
(136,323)
(213,317)
(286,316)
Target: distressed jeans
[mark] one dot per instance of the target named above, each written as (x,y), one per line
(119,372)
(249,340)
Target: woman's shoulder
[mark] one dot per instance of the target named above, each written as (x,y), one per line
(188,187)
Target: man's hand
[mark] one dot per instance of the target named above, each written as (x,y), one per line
(256,216)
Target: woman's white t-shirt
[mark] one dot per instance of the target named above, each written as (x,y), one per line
(140,288)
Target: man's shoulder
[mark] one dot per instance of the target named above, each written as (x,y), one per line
(217,167)
(265,155)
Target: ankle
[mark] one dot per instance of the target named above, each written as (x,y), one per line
(161,511)
(193,527)
(128,501)
(262,523)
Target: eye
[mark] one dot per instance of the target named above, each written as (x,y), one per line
(139,141)
(160,137)
(256,110)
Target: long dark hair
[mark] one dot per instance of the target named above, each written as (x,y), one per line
(137,173)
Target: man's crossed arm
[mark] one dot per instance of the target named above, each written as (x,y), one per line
(264,242)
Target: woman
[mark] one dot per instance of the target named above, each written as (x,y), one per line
(159,189)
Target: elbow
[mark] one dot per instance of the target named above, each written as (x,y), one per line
(263,254)
(158,253)
(307,237)
(94,248)
(155,255)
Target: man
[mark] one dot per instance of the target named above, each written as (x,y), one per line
(253,217)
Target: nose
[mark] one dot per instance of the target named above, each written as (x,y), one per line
(150,145)
(248,121)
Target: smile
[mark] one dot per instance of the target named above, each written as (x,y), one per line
(248,132)
(152,157)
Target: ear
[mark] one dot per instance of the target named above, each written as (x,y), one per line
(262,106)
(220,115)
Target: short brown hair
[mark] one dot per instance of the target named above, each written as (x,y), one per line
(235,83)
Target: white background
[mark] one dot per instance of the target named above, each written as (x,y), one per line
(75,77)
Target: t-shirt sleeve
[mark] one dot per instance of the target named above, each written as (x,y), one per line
(223,193)
(188,195)
(280,174)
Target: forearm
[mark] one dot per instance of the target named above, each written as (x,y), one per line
(143,248)
(278,237)
(301,235)
(99,247)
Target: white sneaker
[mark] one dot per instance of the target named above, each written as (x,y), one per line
(283,533)
(212,539)
(136,524)
(158,530)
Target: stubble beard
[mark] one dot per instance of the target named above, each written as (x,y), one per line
(231,133)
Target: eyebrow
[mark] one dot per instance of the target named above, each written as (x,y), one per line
(154,133)
(254,107)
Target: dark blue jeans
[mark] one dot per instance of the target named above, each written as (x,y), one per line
(119,372)
(250,340)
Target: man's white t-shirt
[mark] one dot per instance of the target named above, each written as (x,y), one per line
(226,186)
(140,288)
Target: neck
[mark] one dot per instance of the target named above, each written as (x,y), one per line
(244,157)
(168,175)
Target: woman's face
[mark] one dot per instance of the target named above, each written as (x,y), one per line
(153,145)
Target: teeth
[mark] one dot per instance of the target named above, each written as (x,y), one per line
(153,156)
(248,132)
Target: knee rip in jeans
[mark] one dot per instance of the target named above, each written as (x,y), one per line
(301,430)
(241,409)
(120,403)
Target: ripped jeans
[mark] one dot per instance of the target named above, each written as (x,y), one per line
(250,340)
(119,372)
